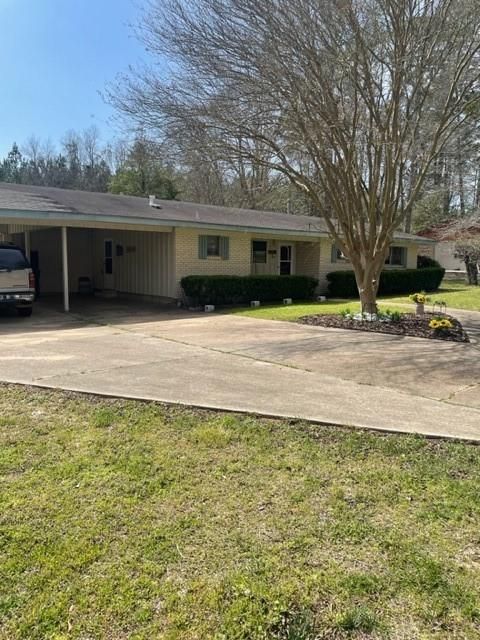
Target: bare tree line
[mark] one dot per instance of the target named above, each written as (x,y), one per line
(141,165)
(80,161)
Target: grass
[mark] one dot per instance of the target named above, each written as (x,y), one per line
(295,311)
(128,520)
(457,295)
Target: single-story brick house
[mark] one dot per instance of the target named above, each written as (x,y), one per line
(144,247)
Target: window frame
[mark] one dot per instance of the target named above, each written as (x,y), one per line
(403,256)
(256,252)
(338,256)
(221,250)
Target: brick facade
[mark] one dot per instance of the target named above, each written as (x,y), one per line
(312,258)
(188,263)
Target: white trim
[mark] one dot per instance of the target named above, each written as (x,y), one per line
(57,218)
(26,236)
(66,297)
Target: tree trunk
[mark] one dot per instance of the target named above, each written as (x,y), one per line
(461,189)
(368,299)
(472,272)
(367,282)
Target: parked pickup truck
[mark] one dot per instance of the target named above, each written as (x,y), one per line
(17,281)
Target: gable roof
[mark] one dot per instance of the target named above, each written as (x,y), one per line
(63,204)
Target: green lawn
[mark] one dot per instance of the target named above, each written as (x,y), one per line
(129,520)
(457,295)
(295,311)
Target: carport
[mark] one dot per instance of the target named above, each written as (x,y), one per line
(105,246)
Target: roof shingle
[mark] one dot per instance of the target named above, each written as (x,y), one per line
(24,198)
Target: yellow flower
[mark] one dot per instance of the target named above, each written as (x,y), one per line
(418,298)
(440,323)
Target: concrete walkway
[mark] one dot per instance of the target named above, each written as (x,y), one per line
(243,364)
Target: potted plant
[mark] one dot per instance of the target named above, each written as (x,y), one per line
(419,299)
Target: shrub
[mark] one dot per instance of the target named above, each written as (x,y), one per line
(342,284)
(271,288)
(213,289)
(424,262)
(222,290)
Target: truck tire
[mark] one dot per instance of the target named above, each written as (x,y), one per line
(24,312)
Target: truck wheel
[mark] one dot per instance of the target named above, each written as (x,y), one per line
(24,312)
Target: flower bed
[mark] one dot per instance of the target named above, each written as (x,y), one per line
(407,324)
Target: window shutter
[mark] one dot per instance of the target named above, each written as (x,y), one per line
(333,257)
(224,247)
(404,256)
(202,247)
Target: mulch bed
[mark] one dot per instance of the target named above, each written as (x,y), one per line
(409,325)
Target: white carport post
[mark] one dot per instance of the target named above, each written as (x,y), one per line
(66,299)
(27,243)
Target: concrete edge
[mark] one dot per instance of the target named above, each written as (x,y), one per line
(272,416)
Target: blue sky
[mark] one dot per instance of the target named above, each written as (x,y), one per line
(55,56)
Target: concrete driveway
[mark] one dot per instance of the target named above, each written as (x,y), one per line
(236,363)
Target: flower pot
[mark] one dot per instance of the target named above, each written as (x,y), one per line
(420,309)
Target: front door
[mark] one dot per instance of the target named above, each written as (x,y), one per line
(285,267)
(108,276)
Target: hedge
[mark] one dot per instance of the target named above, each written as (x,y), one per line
(342,284)
(424,262)
(223,290)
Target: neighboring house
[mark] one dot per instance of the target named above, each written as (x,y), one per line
(443,248)
(145,247)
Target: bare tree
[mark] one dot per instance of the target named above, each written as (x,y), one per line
(90,145)
(32,148)
(467,248)
(465,232)
(346,95)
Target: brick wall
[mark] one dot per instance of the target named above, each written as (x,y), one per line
(307,259)
(311,258)
(187,262)
(326,264)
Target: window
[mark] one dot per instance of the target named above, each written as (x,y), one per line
(12,259)
(213,246)
(397,257)
(259,252)
(338,255)
(108,257)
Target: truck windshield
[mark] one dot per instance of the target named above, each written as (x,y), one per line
(12,259)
